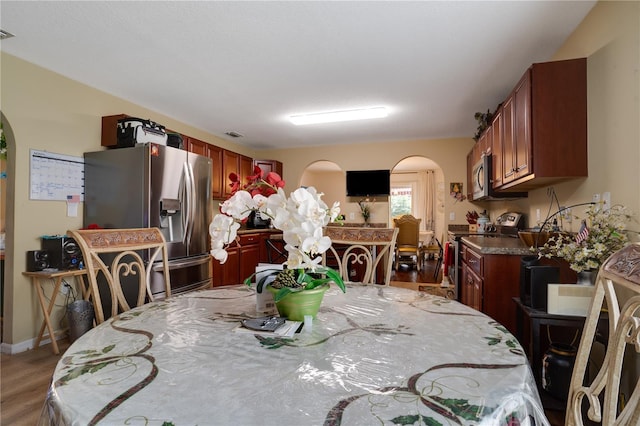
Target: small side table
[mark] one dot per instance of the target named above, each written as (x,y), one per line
(537,319)
(57,277)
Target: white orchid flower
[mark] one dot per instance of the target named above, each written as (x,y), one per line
(239,206)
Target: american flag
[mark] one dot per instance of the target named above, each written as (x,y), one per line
(583,233)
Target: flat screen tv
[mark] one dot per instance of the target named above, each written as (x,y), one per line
(368,183)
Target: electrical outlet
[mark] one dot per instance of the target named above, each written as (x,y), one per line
(606,200)
(352,216)
(596,198)
(452,216)
(64,289)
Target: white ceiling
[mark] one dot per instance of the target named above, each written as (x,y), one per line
(246,66)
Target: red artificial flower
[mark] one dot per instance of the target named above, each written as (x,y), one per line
(235,182)
(257,175)
(274,179)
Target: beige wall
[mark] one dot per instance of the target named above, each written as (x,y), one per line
(46,111)
(49,112)
(609,37)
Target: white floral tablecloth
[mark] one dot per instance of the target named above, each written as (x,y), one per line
(375,355)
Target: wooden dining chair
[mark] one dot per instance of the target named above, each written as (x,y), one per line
(133,253)
(617,382)
(408,241)
(361,249)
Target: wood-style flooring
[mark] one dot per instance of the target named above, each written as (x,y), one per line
(25,381)
(26,376)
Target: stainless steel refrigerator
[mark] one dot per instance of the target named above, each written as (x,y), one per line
(155,186)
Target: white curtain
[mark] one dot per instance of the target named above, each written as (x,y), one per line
(429,199)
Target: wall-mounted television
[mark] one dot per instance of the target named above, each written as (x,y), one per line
(368,183)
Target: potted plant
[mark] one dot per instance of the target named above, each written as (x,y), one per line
(601,234)
(301,217)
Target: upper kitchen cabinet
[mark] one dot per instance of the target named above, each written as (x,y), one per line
(268,166)
(544,127)
(215,154)
(496,130)
(241,165)
(110,130)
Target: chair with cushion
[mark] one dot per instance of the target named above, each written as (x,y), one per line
(601,396)
(361,253)
(408,241)
(118,256)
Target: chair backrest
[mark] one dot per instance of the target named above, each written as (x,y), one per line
(618,281)
(134,252)
(368,247)
(408,230)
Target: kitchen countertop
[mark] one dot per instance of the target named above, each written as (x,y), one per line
(497,245)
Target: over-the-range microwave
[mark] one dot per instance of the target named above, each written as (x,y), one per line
(481,182)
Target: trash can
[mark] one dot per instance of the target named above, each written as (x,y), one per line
(80,316)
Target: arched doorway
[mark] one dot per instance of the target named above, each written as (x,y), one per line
(326,177)
(422,180)
(417,188)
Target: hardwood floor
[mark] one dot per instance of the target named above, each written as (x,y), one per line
(407,273)
(25,381)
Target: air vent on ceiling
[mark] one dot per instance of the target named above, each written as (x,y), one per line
(233,134)
(5,34)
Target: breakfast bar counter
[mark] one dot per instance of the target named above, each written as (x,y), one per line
(375,355)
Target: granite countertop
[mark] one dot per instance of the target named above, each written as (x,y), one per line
(497,245)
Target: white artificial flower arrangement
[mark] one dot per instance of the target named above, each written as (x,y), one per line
(301,217)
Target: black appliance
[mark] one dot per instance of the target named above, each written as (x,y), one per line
(63,252)
(534,280)
(37,260)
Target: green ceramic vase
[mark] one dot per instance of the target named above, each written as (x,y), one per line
(295,306)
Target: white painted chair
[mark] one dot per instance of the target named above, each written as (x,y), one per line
(125,245)
(600,398)
(368,247)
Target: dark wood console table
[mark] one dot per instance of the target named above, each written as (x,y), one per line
(536,320)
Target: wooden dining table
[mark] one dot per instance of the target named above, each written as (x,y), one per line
(373,355)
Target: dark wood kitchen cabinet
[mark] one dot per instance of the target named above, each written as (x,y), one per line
(539,133)
(471,290)
(516,143)
(268,166)
(243,257)
(215,154)
(232,162)
(489,282)
(496,130)
(545,126)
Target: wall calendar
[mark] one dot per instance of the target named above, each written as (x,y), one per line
(56,176)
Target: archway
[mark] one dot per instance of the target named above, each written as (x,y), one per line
(424,179)
(326,177)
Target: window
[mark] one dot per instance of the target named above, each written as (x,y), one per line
(400,200)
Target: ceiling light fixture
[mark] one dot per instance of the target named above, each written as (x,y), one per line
(336,116)
(5,34)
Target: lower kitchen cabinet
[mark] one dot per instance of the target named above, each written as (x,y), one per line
(243,258)
(488,284)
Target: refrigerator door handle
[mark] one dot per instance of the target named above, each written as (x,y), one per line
(190,190)
(173,264)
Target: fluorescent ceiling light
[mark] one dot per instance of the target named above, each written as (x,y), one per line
(335,116)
